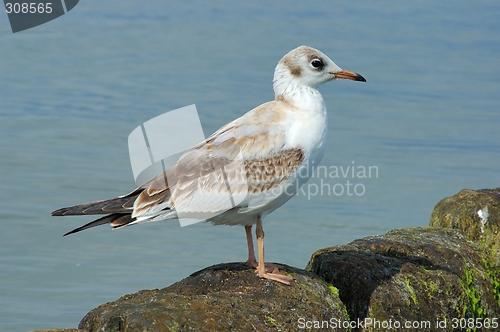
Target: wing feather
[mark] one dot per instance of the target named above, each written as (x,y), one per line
(244,157)
(248,156)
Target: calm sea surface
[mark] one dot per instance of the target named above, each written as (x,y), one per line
(426,124)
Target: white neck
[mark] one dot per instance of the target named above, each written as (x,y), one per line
(311,119)
(296,91)
(302,97)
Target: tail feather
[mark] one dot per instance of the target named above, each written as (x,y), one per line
(116,220)
(118,211)
(114,205)
(121,221)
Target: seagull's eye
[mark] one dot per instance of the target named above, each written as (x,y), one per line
(317,64)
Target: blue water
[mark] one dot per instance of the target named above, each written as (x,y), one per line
(73,89)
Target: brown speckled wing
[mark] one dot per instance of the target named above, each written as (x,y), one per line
(202,182)
(267,174)
(239,159)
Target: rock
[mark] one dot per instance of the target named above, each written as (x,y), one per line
(477,214)
(410,275)
(225,297)
(434,276)
(59,330)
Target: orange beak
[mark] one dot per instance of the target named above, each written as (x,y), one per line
(350,75)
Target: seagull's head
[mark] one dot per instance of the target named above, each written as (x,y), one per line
(308,67)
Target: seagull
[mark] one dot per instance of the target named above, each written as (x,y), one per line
(261,158)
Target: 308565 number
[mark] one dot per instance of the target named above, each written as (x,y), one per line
(26,8)
(471,323)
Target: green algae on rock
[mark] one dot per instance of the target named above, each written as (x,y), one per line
(60,330)
(433,274)
(420,274)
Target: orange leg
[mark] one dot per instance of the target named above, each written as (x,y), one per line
(261,266)
(251,253)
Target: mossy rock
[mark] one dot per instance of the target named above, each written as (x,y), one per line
(225,297)
(477,214)
(418,274)
(59,330)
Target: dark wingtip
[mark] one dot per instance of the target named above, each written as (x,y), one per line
(76,230)
(84,227)
(104,220)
